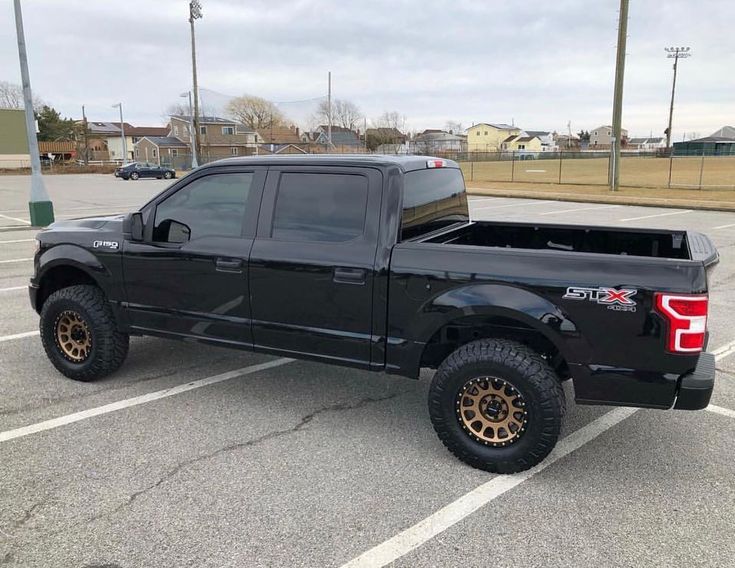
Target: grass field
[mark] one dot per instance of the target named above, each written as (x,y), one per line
(713,172)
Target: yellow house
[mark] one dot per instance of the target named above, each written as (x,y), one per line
(520,142)
(485,137)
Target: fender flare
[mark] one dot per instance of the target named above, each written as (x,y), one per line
(73,256)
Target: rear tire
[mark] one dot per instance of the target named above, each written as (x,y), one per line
(79,333)
(492,387)
(134,175)
(168,175)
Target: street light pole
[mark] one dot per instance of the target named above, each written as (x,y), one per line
(194,162)
(674,53)
(40,206)
(122,135)
(195,13)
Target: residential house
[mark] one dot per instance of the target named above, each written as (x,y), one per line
(105,139)
(60,150)
(566,142)
(708,146)
(548,143)
(343,140)
(162,150)
(218,137)
(602,136)
(14,152)
(433,141)
(521,143)
(652,144)
(280,140)
(386,140)
(487,137)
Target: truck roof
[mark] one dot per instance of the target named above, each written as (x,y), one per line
(407,163)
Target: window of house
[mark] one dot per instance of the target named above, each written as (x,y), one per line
(521,146)
(234,150)
(174,152)
(486,133)
(228,130)
(155,153)
(320,207)
(202,130)
(212,206)
(176,130)
(478,132)
(608,133)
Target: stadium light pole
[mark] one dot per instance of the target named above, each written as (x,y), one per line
(195,13)
(194,163)
(40,206)
(618,97)
(122,135)
(674,53)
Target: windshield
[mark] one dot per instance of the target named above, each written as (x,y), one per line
(432,199)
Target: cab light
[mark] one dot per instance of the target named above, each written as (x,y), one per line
(686,315)
(434,163)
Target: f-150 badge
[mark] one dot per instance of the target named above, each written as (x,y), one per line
(105,244)
(619,300)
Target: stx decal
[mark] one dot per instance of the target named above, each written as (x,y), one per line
(619,300)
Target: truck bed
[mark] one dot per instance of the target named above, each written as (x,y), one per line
(570,238)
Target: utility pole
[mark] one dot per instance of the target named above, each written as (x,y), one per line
(122,134)
(329,112)
(40,206)
(195,13)
(618,97)
(194,162)
(86,137)
(674,53)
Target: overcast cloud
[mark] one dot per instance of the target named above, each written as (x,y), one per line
(538,63)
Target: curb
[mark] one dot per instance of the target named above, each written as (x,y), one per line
(613,200)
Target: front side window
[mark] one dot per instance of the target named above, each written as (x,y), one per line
(320,207)
(212,206)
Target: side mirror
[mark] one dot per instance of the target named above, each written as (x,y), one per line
(133,224)
(178,232)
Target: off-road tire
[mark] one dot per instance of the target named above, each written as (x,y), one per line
(109,347)
(134,175)
(522,368)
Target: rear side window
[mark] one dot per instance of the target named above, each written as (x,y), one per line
(211,206)
(320,207)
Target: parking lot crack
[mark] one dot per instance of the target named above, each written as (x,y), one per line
(300,425)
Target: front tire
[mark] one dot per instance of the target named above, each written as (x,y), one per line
(497,405)
(134,175)
(168,175)
(79,333)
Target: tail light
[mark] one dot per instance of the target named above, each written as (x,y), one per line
(687,319)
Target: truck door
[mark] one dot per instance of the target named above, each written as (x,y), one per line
(189,277)
(312,263)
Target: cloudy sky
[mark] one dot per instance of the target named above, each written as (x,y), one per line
(538,63)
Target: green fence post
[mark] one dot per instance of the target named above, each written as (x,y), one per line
(561,156)
(512,165)
(701,169)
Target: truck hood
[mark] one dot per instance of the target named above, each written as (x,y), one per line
(82,231)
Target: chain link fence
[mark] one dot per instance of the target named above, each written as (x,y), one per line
(653,169)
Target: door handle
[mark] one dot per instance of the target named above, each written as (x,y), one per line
(350,275)
(229,264)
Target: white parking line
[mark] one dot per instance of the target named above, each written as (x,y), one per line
(724,226)
(579,209)
(423,531)
(15,219)
(434,524)
(18,335)
(136,401)
(17,241)
(514,205)
(656,215)
(13,288)
(15,260)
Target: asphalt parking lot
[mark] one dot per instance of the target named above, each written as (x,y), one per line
(212,457)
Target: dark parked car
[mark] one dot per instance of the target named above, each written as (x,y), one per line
(373,262)
(136,170)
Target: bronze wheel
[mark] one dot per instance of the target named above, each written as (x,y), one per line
(492,411)
(73,337)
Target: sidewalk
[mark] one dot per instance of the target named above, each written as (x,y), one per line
(716,200)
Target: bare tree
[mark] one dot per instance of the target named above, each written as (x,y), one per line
(344,113)
(11,96)
(453,127)
(255,112)
(391,119)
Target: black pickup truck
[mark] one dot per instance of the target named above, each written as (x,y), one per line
(373,262)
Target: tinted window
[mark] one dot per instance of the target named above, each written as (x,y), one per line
(320,207)
(432,198)
(209,206)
